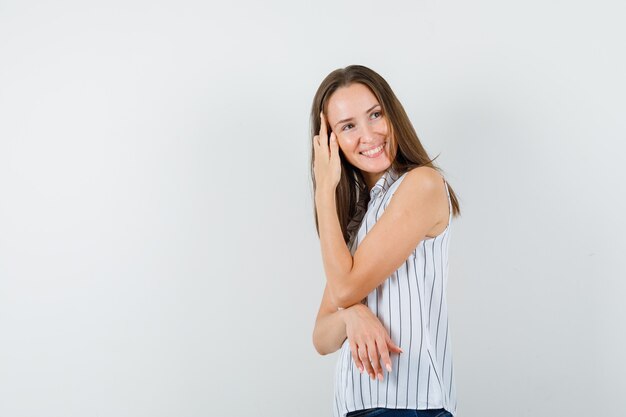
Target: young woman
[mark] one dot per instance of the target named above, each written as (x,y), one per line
(386,260)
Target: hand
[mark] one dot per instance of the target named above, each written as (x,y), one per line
(368,340)
(326,162)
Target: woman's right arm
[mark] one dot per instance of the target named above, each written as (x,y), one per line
(369,340)
(330,326)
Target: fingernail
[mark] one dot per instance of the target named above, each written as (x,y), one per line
(389,367)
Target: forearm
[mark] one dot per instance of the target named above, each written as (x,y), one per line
(330,332)
(336,256)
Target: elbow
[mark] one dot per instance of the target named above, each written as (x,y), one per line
(318,347)
(343,298)
(343,293)
(321,351)
(344,303)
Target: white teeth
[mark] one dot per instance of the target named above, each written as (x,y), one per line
(373,151)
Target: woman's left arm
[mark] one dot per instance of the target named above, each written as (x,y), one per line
(409,216)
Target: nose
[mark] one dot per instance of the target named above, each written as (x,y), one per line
(367,133)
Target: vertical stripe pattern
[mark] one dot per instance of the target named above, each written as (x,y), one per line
(411,304)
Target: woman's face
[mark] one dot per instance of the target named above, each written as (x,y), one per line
(355,115)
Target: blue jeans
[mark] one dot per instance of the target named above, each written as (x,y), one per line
(391,412)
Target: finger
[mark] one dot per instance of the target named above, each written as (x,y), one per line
(374,354)
(334,147)
(355,356)
(384,353)
(364,358)
(393,347)
(323,130)
(372,360)
(316,147)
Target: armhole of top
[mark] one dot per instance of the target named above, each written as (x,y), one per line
(449,202)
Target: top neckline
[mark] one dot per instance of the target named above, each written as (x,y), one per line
(384,182)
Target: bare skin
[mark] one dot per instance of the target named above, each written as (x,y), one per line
(369,340)
(419,210)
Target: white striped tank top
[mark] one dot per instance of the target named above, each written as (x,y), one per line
(411,304)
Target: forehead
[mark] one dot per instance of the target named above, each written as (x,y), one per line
(350,101)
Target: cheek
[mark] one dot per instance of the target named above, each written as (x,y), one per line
(345,142)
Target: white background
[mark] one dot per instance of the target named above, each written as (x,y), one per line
(158,254)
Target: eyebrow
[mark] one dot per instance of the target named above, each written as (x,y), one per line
(351,118)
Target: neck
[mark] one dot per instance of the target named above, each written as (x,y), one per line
(371,178)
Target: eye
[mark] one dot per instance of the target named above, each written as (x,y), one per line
(376,114)
(347,126)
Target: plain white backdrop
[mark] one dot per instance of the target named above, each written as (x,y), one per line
(158,254)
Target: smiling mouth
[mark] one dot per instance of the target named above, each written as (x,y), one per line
(374,152)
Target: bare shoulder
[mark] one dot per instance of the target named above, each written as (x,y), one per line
(424,180)
(422,194)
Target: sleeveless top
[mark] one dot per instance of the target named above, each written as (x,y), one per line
(411,304)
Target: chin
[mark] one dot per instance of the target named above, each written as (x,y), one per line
(380,166)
